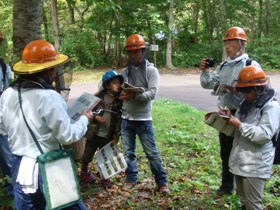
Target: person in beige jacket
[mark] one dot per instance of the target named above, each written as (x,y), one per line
(255,122)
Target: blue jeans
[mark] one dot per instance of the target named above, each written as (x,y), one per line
(145,132)
(6,157)
(32,201)
(6,161)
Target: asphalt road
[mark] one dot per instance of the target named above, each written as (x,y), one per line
(182,88)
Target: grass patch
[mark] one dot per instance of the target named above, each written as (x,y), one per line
(190,153)
(89,75)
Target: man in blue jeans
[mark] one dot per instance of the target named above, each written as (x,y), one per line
(137,116)
(5,151)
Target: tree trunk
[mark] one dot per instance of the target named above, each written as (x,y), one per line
(26,23)
(260,19)
(267,17)
(251,23)
(196,9)
(81,14)
(55,24)
(45,21)
(118,54)
(71,12)
(223,9)
(169,39)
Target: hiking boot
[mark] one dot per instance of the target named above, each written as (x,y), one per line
(106,183)
(223,191)
(87,177)
(162,189)
(129,185)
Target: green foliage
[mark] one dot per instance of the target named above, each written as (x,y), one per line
(191,155)
(98,33)
(266,52)
(6,17)
(82,48)
(5,199)
(195,52)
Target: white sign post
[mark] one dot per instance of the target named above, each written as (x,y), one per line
(154,47)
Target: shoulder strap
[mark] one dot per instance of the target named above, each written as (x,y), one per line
(276,136)
(222,65)
(249,61)
(4,69)
(31,132)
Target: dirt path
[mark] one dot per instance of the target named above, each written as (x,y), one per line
(180,87)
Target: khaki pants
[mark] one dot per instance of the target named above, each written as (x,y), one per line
(250,192)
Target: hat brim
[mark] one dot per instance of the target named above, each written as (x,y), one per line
(237,38)
(120,77)
(31,68)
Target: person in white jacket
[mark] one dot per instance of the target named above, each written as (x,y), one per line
(255,122)
(45,110)
(221,81)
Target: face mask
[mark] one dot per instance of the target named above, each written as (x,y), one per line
(63,79)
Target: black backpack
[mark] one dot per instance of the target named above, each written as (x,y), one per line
(4,70)
(276,143)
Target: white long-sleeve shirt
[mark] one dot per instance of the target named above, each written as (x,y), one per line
(46,114)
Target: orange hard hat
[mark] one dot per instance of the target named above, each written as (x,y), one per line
(135,42)
(235,33)
(251,76)
(37,56)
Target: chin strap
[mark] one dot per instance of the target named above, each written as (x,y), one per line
(241,48)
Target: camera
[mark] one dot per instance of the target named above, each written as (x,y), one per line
(209,62)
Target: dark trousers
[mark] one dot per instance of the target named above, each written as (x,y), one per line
(225,149)
(96,142)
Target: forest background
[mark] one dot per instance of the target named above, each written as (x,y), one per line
(93,33)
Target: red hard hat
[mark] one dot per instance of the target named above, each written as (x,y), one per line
(251,76)
(37,56)
(135,42)
(235,33)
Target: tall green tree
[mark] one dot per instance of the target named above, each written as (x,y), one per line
(55,24)
(169,39)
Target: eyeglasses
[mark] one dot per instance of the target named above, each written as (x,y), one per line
(131,52)
(230,42)
(245,89)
